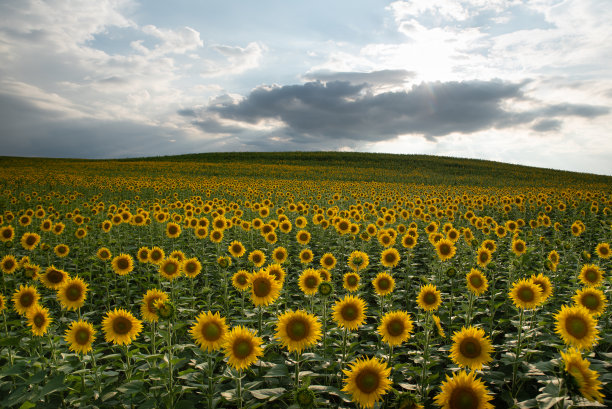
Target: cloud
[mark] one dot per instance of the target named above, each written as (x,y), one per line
(177,42)
(345,111)
(237,59)
(372,78)
(547,125)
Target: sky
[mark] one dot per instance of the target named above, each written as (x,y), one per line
(526,82)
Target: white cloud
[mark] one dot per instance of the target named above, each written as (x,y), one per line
(237,59)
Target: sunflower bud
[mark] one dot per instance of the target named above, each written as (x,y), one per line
(305,398)
(586,255)
(165,309)
(451,272)
(325,289)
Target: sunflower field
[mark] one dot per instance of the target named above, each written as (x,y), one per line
(303,280)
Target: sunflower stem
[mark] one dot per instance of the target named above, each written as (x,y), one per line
(170,368)
(210,381)
(518,351)
(425,358)
(128,369)
(259,333)
(343,355)
(153,345)
(297,370)
(96,374)
(239,388)
(468,318)
(10,350)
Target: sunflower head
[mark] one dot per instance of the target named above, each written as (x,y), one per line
(591,275)
(236,249)
(306,256)
(80,336)
(147,307)
(445,249)
(156,255)
(9,264)
(298,330)
(143,254)
(483,256)
(53,278)
(525,294)
(429,298)
(463,391)
(358,260)
(603,250)
(122,264)
(241,280)
(587,381)
(328,261)
(72,293)
(209,331)
(103,254)
(471,348)
(309,281)
(592,299)
(350,312)
(350,281)
(264,288)
(544,283)
(389,257)
(192,267)
(576,326)
(170,268)
(279,255)
(38,320)
(121,327)
(395,327)
(367,380)
(325,289)
(476,282)
(242,347)
(383,284)
(257,257)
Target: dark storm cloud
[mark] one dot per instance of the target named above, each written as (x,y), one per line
(547,125)
(382,77)
(341,110)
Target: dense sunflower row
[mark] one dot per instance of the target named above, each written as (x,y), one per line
(210,292)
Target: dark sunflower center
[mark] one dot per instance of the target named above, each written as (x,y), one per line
(519,247)
(384,284)
(311,282)
(542,285)
(236,248)
(261,287)
(256,258)
(26,299)
(123,263)
(577,327)
(241,279)
(242,348)
(297,330)
(591,275)
(172,229)
(604,251)
(591,301)
(352,281)
(211,331)
(170,268)
(349,312)
(73,293)
(526,294)
(470,348)
(190,267)
(104,254)
(367,381)
(151,304)
(357,261)
(55,276)
(476,281)
(122,325)
(39,320)
(328,261)
(9,264)
(390,258)
(155,255)
(463,398)
(303,237)
(30,240)
(429,298)
(7,234)
(82,336)
(144,254)
(395,328)
(483,257)
(445,249)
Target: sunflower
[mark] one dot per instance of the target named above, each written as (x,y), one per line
(445,249)
(471,348)
(2,303)
(29,241)
(279,255)
(61,250)
(120,327)
(303,237)
(157,255)
(429,298)
(242,347)
(143,254)
(103,254)
(489,245)
(264,288)
(553,256)
(367,380)
(306,256)
(277,271)
(350,312)
(476,282)
(519,247)
(325,275)
(106,226)
(436,320)
(173,230)
(192,267)
(209,331)
(25,298)
(9,264)
(170,268)
(80,336)
(483,256)
(53,277)
(38,320)
(309,281)
(216,236)
(72,293)
(298,330)
(395,327)
(350,281)
(236,249)
(544,283)
(603,250)
(58,228)
(7,233)
(591,275)
(586,378)
(358,260)
(463,391)
(389,257)
(328,261)
(241,280)
(576,326)
(383,284)
(122,264)
(257,257)
(592,299)
(525,294)
(147,307)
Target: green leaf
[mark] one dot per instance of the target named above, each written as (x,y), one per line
(54,385)
(27,405)
(273,393)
